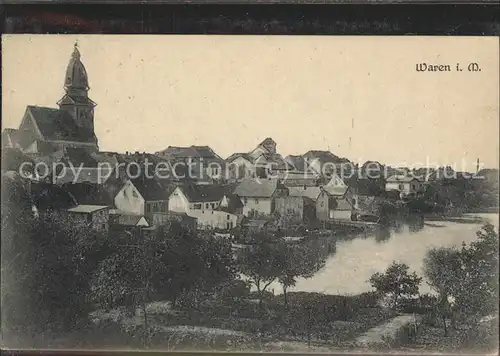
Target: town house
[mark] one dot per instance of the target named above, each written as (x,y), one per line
(257,195)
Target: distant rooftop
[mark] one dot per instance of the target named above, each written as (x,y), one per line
(87,208)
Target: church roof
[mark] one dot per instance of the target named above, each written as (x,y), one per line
(76,75)
(71,99)
(57,124)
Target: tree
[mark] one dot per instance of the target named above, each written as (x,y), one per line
(297,260)
(397,282)
(442,267)
(476,293)
(260,263)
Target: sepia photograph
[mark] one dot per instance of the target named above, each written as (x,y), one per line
(310,194)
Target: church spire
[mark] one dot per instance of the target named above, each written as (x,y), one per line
(76,52)
(76,100)
(76,75)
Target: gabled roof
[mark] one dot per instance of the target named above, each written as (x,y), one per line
(9,137)
(13,158)
(79,156)
(263,188)
(297,161)
(401,179)
(307,192)
(197,193)
(57,124)
(237,155)
(204,152)
(343,204)
(275,158)
(126,219)
(50,196)
(87,209)
(76,99)
(324,156)
(90,175)
(92,193)
(153,189)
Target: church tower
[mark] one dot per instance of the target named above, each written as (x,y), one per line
(76,100)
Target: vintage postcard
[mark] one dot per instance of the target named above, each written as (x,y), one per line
(258,193)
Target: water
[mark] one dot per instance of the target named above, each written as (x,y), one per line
(348,269)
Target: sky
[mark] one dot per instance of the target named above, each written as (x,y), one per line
(359,97)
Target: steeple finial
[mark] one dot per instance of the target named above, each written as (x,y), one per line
(76,52)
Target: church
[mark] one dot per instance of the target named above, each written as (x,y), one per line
(44,130)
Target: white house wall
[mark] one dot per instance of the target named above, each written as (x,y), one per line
(178,202)
(129,200)
(261,205)
(214,219)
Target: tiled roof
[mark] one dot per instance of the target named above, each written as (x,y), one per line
(50,196)
(86,209)
(79,156)
(153,189)
(296,161)
(308,192)
(204,152)
(401,179)
(13,158)
(343,204)
(56,124)
(91,175)
(75,99)
(126,219)
(257,188)
(278,161)
(237,155)
(197,193)
(324,156)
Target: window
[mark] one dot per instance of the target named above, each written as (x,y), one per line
(103,226)
(227,216)
(256,201)
(401,186)
(148,208)
(245,200)
(213,205)
(206,205)
(134,194)
(197,206)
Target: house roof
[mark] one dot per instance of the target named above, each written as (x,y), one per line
(75,99)
(297,161)
(50,196)
(324,156)
(90,175)
(197,193)
(13,158)
(86,209)
(204,152)
(78,156)
(237,155)
(153,189)
(92,193)
(255,223)
(401,179)
(57,124)
(278,161)
(127,219)
(263,188)
(309,192)
(9,136)
(343,204)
